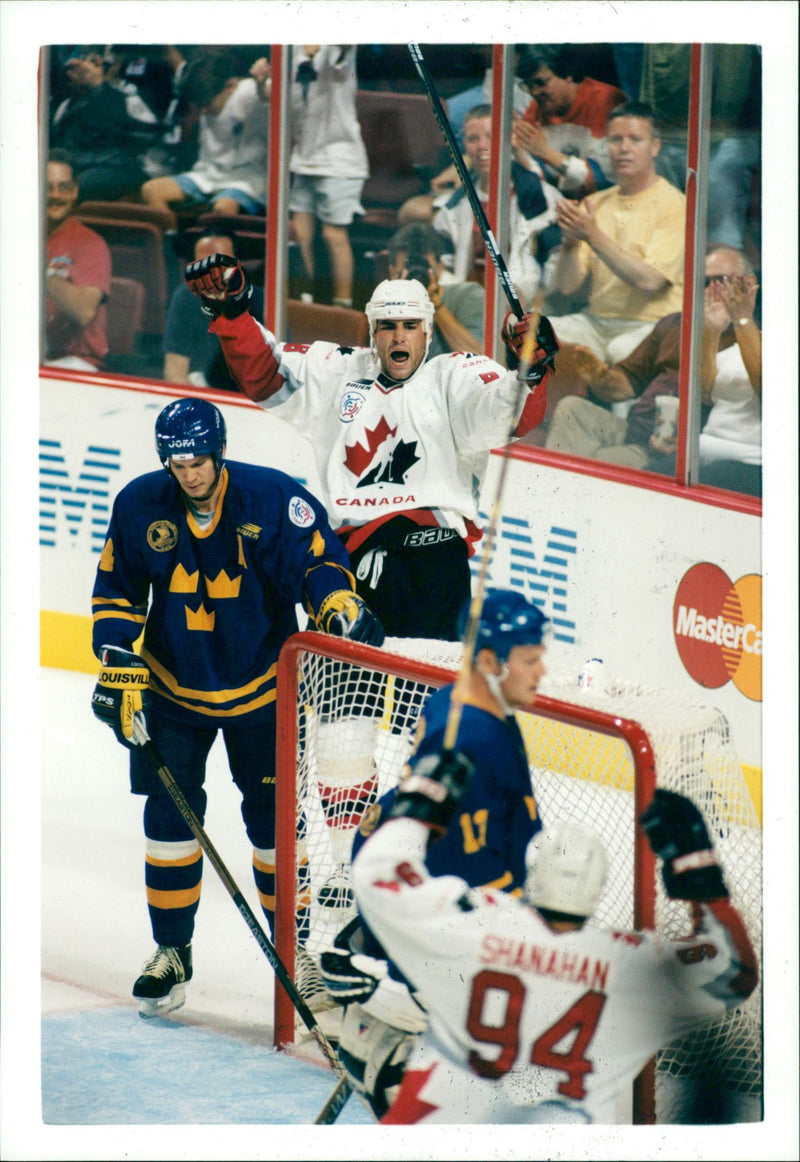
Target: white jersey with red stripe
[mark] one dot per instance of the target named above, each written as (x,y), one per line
(528,1024)
(384,447)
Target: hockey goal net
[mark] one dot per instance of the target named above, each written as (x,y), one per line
(347,714)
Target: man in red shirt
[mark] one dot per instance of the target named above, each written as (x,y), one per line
(564,127)
(77,277)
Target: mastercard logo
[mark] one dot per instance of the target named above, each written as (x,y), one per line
(717,627)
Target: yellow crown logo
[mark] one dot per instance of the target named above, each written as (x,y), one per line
(107,557)
(200,619)
(183,582)
(223,586)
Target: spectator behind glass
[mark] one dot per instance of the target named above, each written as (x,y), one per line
(730,440)
(230,173)
(192,355)
(533,229)
(328,162)
(422,207)
(104,128)
(734,159)
(564,126)
(77,277)
(415,251)
(622,248)
(155,71)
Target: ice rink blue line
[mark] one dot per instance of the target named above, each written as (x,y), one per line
(109,1067)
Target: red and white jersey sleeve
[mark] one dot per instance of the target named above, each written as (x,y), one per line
(381,448)
(528,1024)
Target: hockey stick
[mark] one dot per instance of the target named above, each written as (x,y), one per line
(466,180)
(476,602)
(142,738)
(335,1103)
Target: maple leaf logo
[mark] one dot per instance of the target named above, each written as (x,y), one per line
(394,468)
(357,457)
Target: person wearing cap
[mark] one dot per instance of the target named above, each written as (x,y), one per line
(401,444)
(208,559)
(102,128)
(484,844)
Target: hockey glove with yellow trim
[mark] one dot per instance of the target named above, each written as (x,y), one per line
(121,691)
(345,614)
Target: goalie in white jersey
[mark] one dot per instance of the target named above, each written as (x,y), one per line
(534,1016)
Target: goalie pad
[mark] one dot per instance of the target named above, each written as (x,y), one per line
(374,1055)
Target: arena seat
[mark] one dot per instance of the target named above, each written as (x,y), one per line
(124,315)
(308,322)
(404,145)
(137,252)
(130,212)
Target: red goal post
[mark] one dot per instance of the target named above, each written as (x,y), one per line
(347,714)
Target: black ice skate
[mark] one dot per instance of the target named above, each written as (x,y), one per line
(161,987)
(337,891)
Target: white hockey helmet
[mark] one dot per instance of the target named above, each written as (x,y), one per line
(566,869)
(400,298)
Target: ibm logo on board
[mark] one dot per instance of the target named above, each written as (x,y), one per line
(71,505)
(542,577)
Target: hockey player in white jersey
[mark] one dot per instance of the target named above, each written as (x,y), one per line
(535,1016)
(401,444)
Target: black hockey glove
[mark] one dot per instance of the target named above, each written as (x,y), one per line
(545,350)
(221,284)
(345,614)
(677,833)
(350,976)
(121,691)
(432,790)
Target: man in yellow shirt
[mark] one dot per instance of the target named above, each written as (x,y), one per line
(622,248)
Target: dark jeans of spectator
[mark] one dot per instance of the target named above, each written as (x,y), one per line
(106,183)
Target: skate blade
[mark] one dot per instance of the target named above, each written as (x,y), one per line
(160,1006)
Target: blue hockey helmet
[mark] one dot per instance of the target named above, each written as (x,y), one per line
(507,619)
(189,428)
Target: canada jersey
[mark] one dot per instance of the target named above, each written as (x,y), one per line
(222,596)
(525,1021)
(383,448)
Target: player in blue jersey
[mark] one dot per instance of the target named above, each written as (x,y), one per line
(484,845)
(223,552)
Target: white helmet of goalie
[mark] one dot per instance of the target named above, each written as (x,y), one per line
(566,869)
(400,298)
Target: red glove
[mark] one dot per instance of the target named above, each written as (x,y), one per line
(514,332)
(221,283)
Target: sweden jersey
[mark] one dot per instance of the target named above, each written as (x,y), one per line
(221,595)
(497,816)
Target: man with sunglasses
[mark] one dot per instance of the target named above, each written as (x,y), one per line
(730,442)
(564,127)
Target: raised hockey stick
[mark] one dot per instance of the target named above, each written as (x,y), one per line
(476,602)
(142,738)
(466,180)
